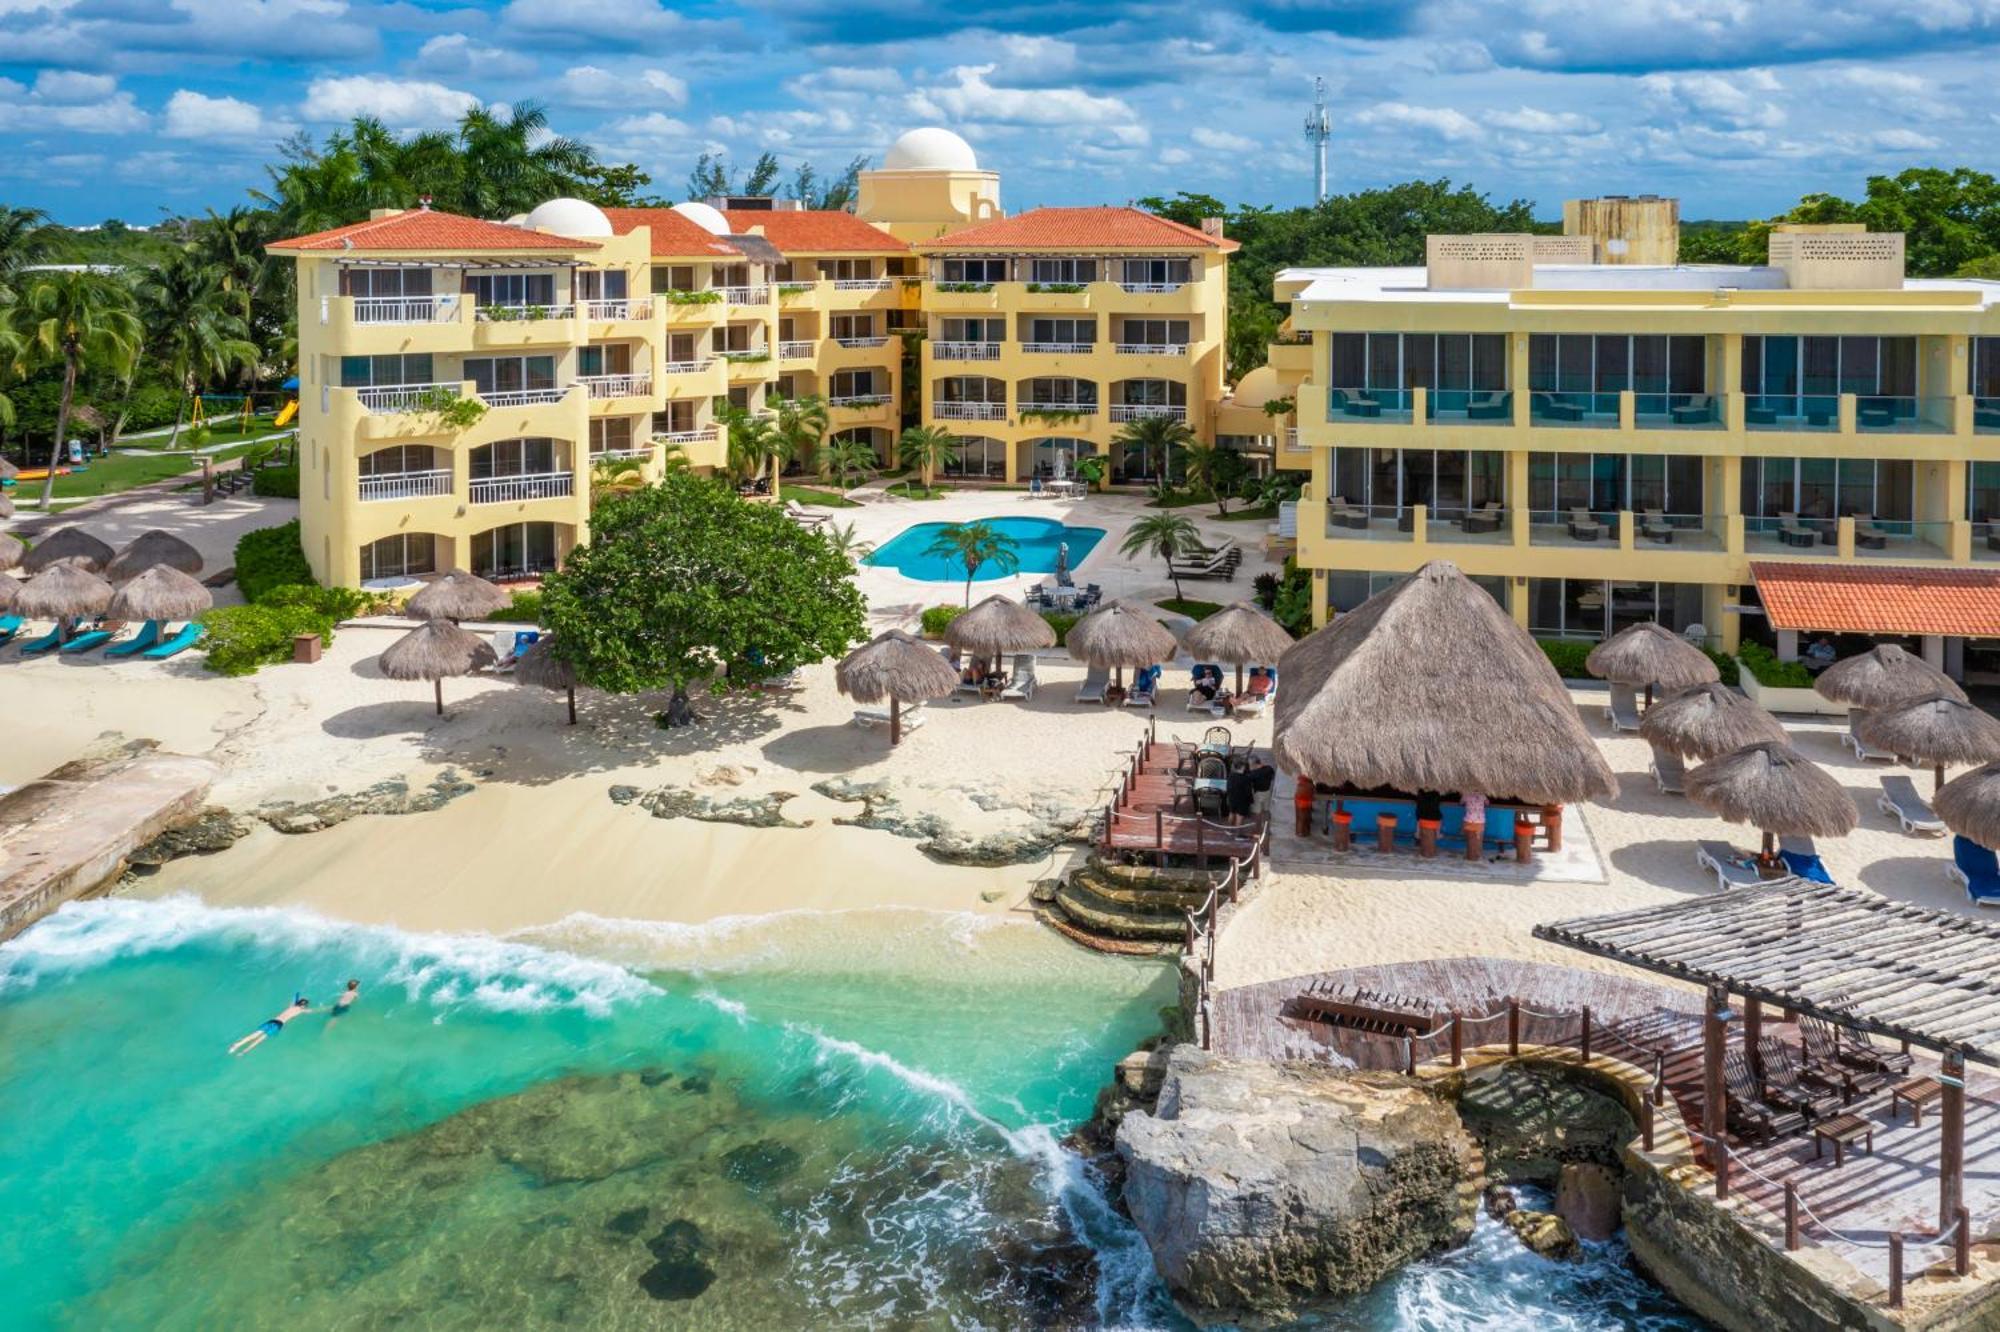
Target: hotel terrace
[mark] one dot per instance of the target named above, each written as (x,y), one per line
(1600,435)
(597,335)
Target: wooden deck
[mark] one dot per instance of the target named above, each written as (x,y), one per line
(1154,813)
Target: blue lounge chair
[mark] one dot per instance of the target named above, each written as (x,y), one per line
(47,642)
(1977,871)
(190,634)
(9,626)
(148,635)
(85,642)
(1145,686)
(1801,857)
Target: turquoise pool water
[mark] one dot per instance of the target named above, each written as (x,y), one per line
(1035,543)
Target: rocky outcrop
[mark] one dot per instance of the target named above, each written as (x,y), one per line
(1533,1119)
(209,831)
(1045,826)
(1265,1188)
(1544,1233)
(678,802)
(390,797)
(1587,1198)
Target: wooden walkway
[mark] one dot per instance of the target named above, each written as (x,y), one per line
(1154,812)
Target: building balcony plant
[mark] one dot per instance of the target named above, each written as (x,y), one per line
(964,286)
(1065,288)
(692,297)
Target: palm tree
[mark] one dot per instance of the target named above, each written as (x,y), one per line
(753,441)
(1156,434)
(26,237)
(929,447)
(232,244)
(846,542)
(616,476)
(85,320)
(512,162)
(1215,469)
(1164,535)
(843,456)
(975,545)
(801,426)
(195,327)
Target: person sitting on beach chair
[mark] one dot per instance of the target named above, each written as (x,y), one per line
(271,1026)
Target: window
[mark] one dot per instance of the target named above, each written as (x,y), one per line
(600,284)
(515,550)
(971,388)
(1061,392)
(847,270)
(1592,608)
(1155,392)
(604,358)
(1156,332)
(396,460)
(385,283)
(1799,375)
(1063,270)
(510,374)
(516,289)
(514,457)
(1073,332)
(677,419)
(854,326)
(978,457)
(1157,272)
(674,277)
(610,434)
(1826,488)
(855,384)
(974,330)
(681,348)
(394,368)
(973,270)
(1985,368)
(399,556)
(1446,363)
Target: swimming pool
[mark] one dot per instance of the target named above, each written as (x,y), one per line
(1036,541)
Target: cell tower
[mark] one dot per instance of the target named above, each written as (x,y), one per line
(1319,128)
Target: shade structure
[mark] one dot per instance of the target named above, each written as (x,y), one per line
(160,593)
(457,596)
(1430,686)
(1883,675)
(60,591)
(1775,789)
(8,471)
(1969,804)
(11,550)
(148,549)
(6,507)
(1119,635)
(898,667)
(999,625)
(1647,654)
(10,592)
(1239,636)
(541,668)
(1705,721)
(1937,731)
(432,651)
(70,544)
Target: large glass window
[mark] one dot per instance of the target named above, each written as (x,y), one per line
(1157,272)
(1985,368)
(1063,270)
(978,456)
(1070,331)
(1824,489)
(515,551)
(1798,376)
(512,289)
(601,284)
(385,283)
(610,434)
(973,270)
(1155,332)
(514,457)
(396,460)
(1446,481)
(378,371)
(1982,493)
(1061,392)
(399,556)
(1594,608)
(604,358)
(1445,362)
(972,330)
(510,374)
(1599,366)
(1610,482)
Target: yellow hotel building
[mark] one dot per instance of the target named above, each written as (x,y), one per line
(1600,435)
(591,335)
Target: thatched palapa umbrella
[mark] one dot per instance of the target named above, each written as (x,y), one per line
(1706,721)
(153,548)
(998,626)
(433,650)
(10,592)
(61,592)
(8,471)
(161,593)
(457,596)
(1649,654)
(6,507)
(1883,675)
(1969,804)
(72,544)
(1430,686)
(1777,790)
(898,667)
(541,667)
(1120,635)
(1937,730)
(1239,636)
(11,550)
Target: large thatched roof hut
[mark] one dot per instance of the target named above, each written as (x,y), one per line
(149,549)
(1239,636)
(70,545)
(1881,676)
(1430,686)
(1707,720)
(433,650)
(541,668)
(896,666)
(1776,789)
(458,596)
(1937,730)
(996,626)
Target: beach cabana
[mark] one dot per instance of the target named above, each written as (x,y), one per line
(1119,635)
(1239,636)
(432,651)
(458,596)
(540,667)
(11,550)
(898,667)
(1936,731)
(71,544)
(159,594)
(1775,789)
(1706,721)
(997,626)
(61,592)
(1647,654)
(149,549)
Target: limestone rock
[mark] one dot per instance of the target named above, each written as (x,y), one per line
(751,811)
(1263,1189)
(1044,827)
(390,797)
(1543,1232)
(1587,1198)
(726,774)
(1532,1119)
(211,830)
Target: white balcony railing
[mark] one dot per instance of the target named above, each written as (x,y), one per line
(534,397)
(1152,349)
(1060,348)
(616,386)
(1291,437)
(627,309)
(969,411)
(875,340)
(796,349)
(861,284)
(965,351)
(687,367)
(507,314)
(406,485)
(859,400)
(400,309)
(1080,408)
(745,295)
(381,398)
(1151,288)
(1140,411)
(701,436)
(620,455)
(528,486)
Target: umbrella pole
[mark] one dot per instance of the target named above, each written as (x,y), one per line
(1937,779)
(438,684)
(1770,848)
(572,704)
(1239,679)
(895,721)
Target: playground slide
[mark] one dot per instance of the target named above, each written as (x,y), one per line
(285,417)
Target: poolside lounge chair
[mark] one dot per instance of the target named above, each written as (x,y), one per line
(90,640)
(1731,868)
(1669,773)
(148,635)
(9,626)
(1022,686)
(1623,710)
(509,644)
(1854,741)
(1901,802)
(1259,692)
(1801,857)
(1095,682)
(800,514)
(1749,1114)
(190,634)
(869,718)
(1977,870)
(1583,527)
(1858,1067)
(1145,688)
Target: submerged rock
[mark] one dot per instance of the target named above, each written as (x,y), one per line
(678,1272)
(1263,1189)
(1544,1233)
(390,797)
(758,1165)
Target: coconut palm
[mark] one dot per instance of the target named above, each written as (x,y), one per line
(1215,469)
(194,326)
(26,237)
(1151,435)
(801,426)
(841,457)
(510,161)
(231,245)
(1164,535)
(975,545)
(928,448)
(753,440)
(616,476)
(85,321)
(844,540)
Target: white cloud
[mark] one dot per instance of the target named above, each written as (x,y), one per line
(649,138)
(1730,99)
(402,104)
(1534,120)
(1443,121)
(1874,78)
(852,78)
(1175,156)
(193,115)
(971,97)
(455,53)
(622,21)
(588,85)
(1903,140)
(67,86)
(1222,140)
(25,111)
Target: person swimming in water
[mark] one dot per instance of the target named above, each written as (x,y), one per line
(271,1026)
(344,1001)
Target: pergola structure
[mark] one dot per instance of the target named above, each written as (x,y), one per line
(1922,977)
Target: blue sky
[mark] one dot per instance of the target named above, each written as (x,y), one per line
(128,107)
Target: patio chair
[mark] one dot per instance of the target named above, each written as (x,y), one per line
(1975,868)
(869,718)
(1259,692)
(190,634)
(9,626)
(1669,773)
(1749,1115)
(1801,857)
(1551,408)
(91,639)
(1731,868)
(798,513)
(1022,686)
(1901,801)
(1828,1058)
(1653,526)
(1868,536)
(1339,513)
(1488,517)
(1860,1052)
(1623,710)
(148,635)
(1795,533)
(1860,747)
(47,642)
(1698,408)
(1582,527)
(1145,688)
(1489,407)
(1791,1086)
(1356,403)
(1095,682)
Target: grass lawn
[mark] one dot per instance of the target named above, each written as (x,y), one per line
(106,476)
(1178,499)
(1197,610)
(1256,513)
(260,426)
(826,499)
(917,492)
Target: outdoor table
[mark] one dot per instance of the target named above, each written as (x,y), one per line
(1840,1131)
(1916,1093)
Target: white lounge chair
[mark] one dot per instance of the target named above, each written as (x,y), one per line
(1901,801)
(1094,685)
(1731,868)
(800,514)
(1022,686)
(1623,710)
(1144,691)
(1854,742)
(1668,771)
(868,718)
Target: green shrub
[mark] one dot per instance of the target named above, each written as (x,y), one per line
(1763,663)
(525,608)
(242,638)
(1061,622)
(335,603)
(937,617)
(271,557)
(1567,656)
(1725,666)
(275,482)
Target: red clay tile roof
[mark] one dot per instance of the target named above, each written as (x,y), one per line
(815,231)
(427,229)
(675,235)
(1077,229)
(1879,599)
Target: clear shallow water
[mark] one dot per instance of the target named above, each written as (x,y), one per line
(1036,542)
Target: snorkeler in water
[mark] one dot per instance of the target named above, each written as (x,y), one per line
(271,1026)
(344,1002)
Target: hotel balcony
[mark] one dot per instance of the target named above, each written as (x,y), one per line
(634,310)
(969,411)
(523,325)
(1063,408)
(748,366)
(1151,348)
(1059,348)
(1857,538)
(396,399)
(685,308)
(859,401)
(958,297)
(1986,416)
(966,351)
(617,386)
(697,378)
(757,295)
(405,485)
(1141,411)
(524,486)
(1649,530)
(801,349)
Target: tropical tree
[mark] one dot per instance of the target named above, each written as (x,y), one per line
(26,237)
(1165,536)
(83,320)
(928,448)
(232,245)
(752,439)
(194,327)
(1152,436)
(801,427)
(1217,470)
(615,476)
(843,457)
(509,160)
(847,543)
(975,545)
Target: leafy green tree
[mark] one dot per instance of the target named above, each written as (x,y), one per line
(927,448)
(194,326)
(976,545)
(682,581)
(83,321)
(231,245)
(1166,536)
(1217,470)
(801,425)
(1185,208)
(709,177)
(762,177)
(1160,437)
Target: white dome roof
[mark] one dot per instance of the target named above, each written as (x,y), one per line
(930,149)
(569,217)
(708,219)
(518,220)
